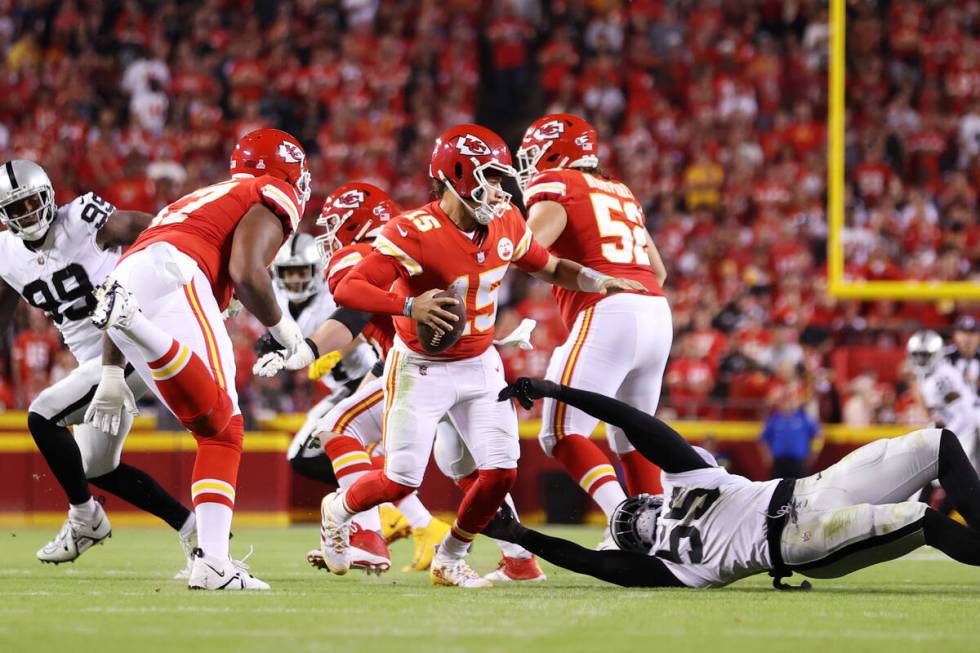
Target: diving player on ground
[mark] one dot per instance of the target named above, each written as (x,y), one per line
(713,528)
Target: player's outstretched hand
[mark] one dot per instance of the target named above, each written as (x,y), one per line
(428,309)
(615,284)
(526,391)
(275,361)
(505,526)
(111,401)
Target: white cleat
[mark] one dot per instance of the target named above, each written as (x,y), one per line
(114,305)
(456,573)
(75,538)
(214,574)
(607,543)
(334,538)
(188,544)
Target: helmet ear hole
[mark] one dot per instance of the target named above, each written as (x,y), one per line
(458,170)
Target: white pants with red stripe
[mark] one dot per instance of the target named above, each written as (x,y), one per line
(175,294)
(617,347)
(357,416)
(419,391)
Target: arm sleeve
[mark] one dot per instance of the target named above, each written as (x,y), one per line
(364,288)
(355,321)
(624,568)
(652,437)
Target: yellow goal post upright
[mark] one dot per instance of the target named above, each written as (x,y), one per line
(837,284)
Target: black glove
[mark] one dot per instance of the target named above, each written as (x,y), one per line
(505,526)
(266,345)
(526,391)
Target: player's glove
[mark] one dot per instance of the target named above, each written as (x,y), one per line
(505,526)
(287,333)
(274,362)
(112,399)
(526,391)
(323,365)
(233,310)
(266,344)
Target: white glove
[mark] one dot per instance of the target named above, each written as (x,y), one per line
(521,336)
(276,361)
(112,399)
(287,333)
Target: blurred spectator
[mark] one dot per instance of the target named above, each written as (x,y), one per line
(789,436)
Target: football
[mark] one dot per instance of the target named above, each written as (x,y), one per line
(435,343)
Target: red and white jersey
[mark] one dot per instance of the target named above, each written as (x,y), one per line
(606,231)
(380,331)
(433,253)
(202,224)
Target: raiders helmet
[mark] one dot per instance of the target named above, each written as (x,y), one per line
(27,205)
(925,350)
(633,524)
(299,252)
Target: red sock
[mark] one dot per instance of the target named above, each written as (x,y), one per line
(482,499)
(191,393)
(215,472)
(642,476)
(378,461)
(348,459)
(584,461)
(372,489)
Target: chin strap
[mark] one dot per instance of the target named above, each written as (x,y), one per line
(777,583)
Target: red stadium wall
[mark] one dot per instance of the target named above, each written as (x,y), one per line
(269,492)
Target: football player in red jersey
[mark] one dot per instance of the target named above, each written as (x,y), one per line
(353,215)
(465,240)
(162,307)
(618,344)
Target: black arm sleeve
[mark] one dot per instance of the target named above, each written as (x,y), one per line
(624,568)
(653,438)
(355,321)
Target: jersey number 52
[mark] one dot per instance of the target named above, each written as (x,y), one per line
(623,221)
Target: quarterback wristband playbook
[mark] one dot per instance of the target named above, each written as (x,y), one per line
(590,280)
(407,310)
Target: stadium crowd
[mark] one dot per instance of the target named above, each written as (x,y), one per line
(712,112)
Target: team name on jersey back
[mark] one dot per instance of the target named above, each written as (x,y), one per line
(58,275)
(605,230)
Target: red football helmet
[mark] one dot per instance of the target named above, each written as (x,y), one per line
(461,158)
(559,140)
(352,213)
(273,152)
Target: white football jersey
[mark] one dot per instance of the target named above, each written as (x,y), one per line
(712,529)
(58,276)
(321,306)
(962,414)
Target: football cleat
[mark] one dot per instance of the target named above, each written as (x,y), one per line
(75,538)
(187,544)
(209,573)
(426,541)
(394,526)
(114,305)
(368,551)
(334,538)
(456,573)
(511,569)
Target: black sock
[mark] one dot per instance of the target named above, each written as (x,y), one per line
(952,538)
(317,468)
(142,490)
(60,450)
(959,479)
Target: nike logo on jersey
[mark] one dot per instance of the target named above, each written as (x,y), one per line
(404,234)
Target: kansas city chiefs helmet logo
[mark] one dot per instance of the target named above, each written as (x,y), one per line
(290,152)
(470,145)
(549,130)
(350,200)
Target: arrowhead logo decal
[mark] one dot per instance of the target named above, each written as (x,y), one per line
(470,145)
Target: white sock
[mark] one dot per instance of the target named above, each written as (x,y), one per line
(189,525)
(416,514)
(452,548)
(369,520)
(608,496)
(338,508)
(507,548)
(83,511)
(213,529)
(150,339)
(347,480)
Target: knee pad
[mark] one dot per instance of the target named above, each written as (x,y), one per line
(404,468)
(452,457)
(215,421)
(230,436)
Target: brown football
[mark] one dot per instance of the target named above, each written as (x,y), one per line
(436,344)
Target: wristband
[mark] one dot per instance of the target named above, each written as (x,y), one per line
(313,348)
(590,280)
(407,310)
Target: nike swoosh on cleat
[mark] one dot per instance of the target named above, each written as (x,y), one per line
(96,527)
(221,574)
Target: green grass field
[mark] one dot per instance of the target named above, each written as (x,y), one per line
(120,597)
